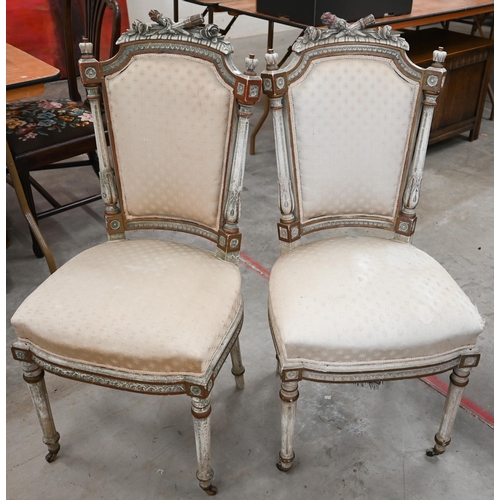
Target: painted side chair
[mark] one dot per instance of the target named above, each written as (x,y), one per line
(352,116)
(148,315)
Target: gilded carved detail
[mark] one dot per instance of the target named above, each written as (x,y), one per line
(339,30)
(310,227)
(187,29)
(92,378)
(380,375)
(346,49)
(175,226)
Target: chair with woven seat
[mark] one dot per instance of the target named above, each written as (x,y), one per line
(149,315)
(45,134)
(352,116)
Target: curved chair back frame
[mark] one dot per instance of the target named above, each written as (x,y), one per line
(378,50)
(241,90)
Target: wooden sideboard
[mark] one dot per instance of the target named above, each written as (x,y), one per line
(469,63)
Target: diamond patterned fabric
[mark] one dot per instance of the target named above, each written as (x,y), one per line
(144,306)
(174,167)
(350,300)
(353,161)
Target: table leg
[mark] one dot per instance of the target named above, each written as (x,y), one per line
(478,26)
(176,10)
(35,230)
(259,125)
(270,43)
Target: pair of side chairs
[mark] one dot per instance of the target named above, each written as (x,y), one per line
(351,117)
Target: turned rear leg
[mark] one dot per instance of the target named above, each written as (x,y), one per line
(238,369)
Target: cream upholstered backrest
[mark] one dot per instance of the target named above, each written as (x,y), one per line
(351,117)
(178,112)
(171,121)
(351,122)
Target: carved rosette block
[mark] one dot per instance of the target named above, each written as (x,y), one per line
(114,224)
(435,75)
(406,224)
(274,80)
(289,232)
(248,86)
(88,64)
(229,242)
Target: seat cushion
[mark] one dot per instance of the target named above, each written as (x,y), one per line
(40,124)
(144,306)
(355,300)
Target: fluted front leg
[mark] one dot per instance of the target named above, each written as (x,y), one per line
(458,380)
(238,369)
(34,376)
(201,409)
(289,394)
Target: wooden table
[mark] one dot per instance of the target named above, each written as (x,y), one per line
(424,12)
(25,74)
(25,77)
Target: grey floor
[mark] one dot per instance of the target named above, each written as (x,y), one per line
(351,442)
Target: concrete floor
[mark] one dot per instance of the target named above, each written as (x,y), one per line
(351,442)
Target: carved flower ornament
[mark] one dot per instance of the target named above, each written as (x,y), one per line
(210,31)
(163,26)
(338,28)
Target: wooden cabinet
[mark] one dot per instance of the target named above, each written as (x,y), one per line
(469,63)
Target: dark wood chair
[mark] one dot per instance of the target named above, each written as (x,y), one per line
(44,134)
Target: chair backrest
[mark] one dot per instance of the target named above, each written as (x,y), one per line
(352,117)
(177,111)
(94,14)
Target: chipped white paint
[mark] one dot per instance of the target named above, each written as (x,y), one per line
(459,376)
(238,369)
(201,409)
(289,390)
(38,392)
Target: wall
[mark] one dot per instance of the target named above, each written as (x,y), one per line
(37,27)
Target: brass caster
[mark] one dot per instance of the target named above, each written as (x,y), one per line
(211,490)
(432,452)
(51,456)
(282,469)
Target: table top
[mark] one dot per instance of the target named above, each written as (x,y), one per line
(23,69)
(433,11)
(423,12)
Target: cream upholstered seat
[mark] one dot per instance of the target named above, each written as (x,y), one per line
(152,327)
(352,116)
(367,300)
(148,315)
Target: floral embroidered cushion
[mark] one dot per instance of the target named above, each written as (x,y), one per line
(35,124)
